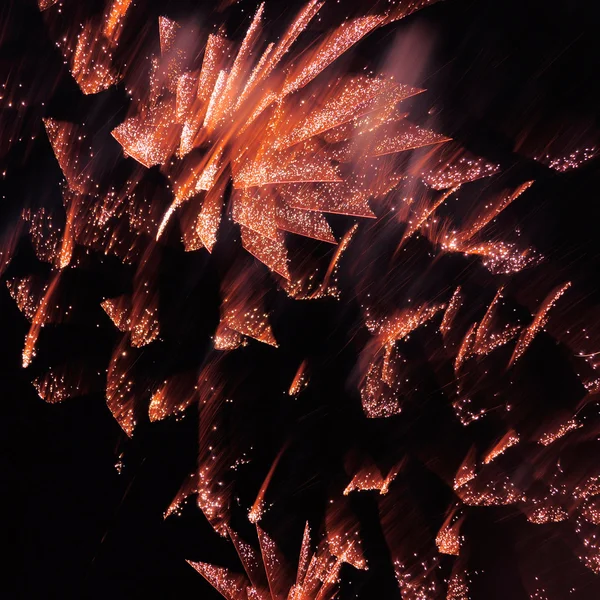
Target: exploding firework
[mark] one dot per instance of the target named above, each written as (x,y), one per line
(269,171)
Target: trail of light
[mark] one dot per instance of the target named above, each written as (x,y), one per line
(539,322)
(300,380)
(550,437)
(38,320)
(113,19)
(509,439)
(258,508)
(450,313)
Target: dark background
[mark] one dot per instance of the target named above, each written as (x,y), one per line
(500,76)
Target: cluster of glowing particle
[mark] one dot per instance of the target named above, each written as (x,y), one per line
(574,160)
(549,437)
(539,321)
(266,133)
(300,381)
(370,478)
(458,587)
(458,168)
(59,385)
(267,577)
(139,317)
(508,440)
(448,539)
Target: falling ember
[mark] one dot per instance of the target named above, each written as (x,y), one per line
(590,511)
(547,514)
(466,471)
(570,161)
(229,585)
(90,65)
(457,169)
(303,559)
(140,321)
(273,562)
(379,394)
(172,397)
(399,326)
(448,539)
(539,322)
(120,465)
(458,588)
(114,18)
(258,508)
(67,245)
(497,256)
(27,293)
(591,487)
(508,440)
(120,388)
(422,211)
(58,386)
(149,140)
(465,348)
(38,320)
(503,257)
(343,536)
(486,340)
(62,138)
(271,252)
(500,492)
(167,31)
(370,478)
(243,314)
(310,287)
(492,210)
(415,587)
(550,437)
(450,312)
(46,4)
(585,527)
(300,380)
(228,339)
(8,244)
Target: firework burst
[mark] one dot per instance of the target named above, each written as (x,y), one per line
(280,167)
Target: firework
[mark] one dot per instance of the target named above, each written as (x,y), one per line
(264,172)
(317,574)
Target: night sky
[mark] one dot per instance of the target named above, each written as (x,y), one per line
(504,79)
